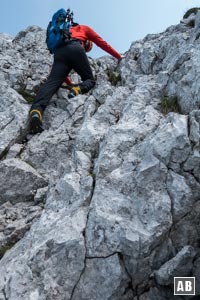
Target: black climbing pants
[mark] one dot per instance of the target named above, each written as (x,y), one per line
(71,56)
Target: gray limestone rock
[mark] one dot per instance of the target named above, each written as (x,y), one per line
(18,181)
(104,203)
(15,221)
(13,117)
(178,266)
(109,280)
(57,245)
(197,276)
(180,194)
(158,294)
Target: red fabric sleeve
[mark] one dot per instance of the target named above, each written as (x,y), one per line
(94,37)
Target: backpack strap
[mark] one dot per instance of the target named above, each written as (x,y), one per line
(66,32)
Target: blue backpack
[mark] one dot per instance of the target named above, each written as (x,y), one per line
(58,30)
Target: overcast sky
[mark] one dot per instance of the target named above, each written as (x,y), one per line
(118,22)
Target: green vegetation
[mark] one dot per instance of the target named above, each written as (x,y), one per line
(26,95)
(93,175)
(98,63)
(169,104)
(5,248)
(113,77)
(190,11)
(190,23)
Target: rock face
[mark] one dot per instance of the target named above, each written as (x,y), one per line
(105,203)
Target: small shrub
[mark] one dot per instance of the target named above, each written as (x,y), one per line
(5,248)
(190,11)
(169,104)
(113,77)
(98,63)
(26,95)
(191,23)
(93,175)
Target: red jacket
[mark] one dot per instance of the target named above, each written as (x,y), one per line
(83,33)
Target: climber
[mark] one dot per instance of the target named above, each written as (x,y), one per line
(68,83)
(67,56)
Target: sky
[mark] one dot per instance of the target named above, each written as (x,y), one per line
(119,22)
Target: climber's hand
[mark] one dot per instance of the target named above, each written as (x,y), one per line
(122,56)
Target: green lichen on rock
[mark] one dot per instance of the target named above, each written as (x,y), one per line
(26,95)
(169,104)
